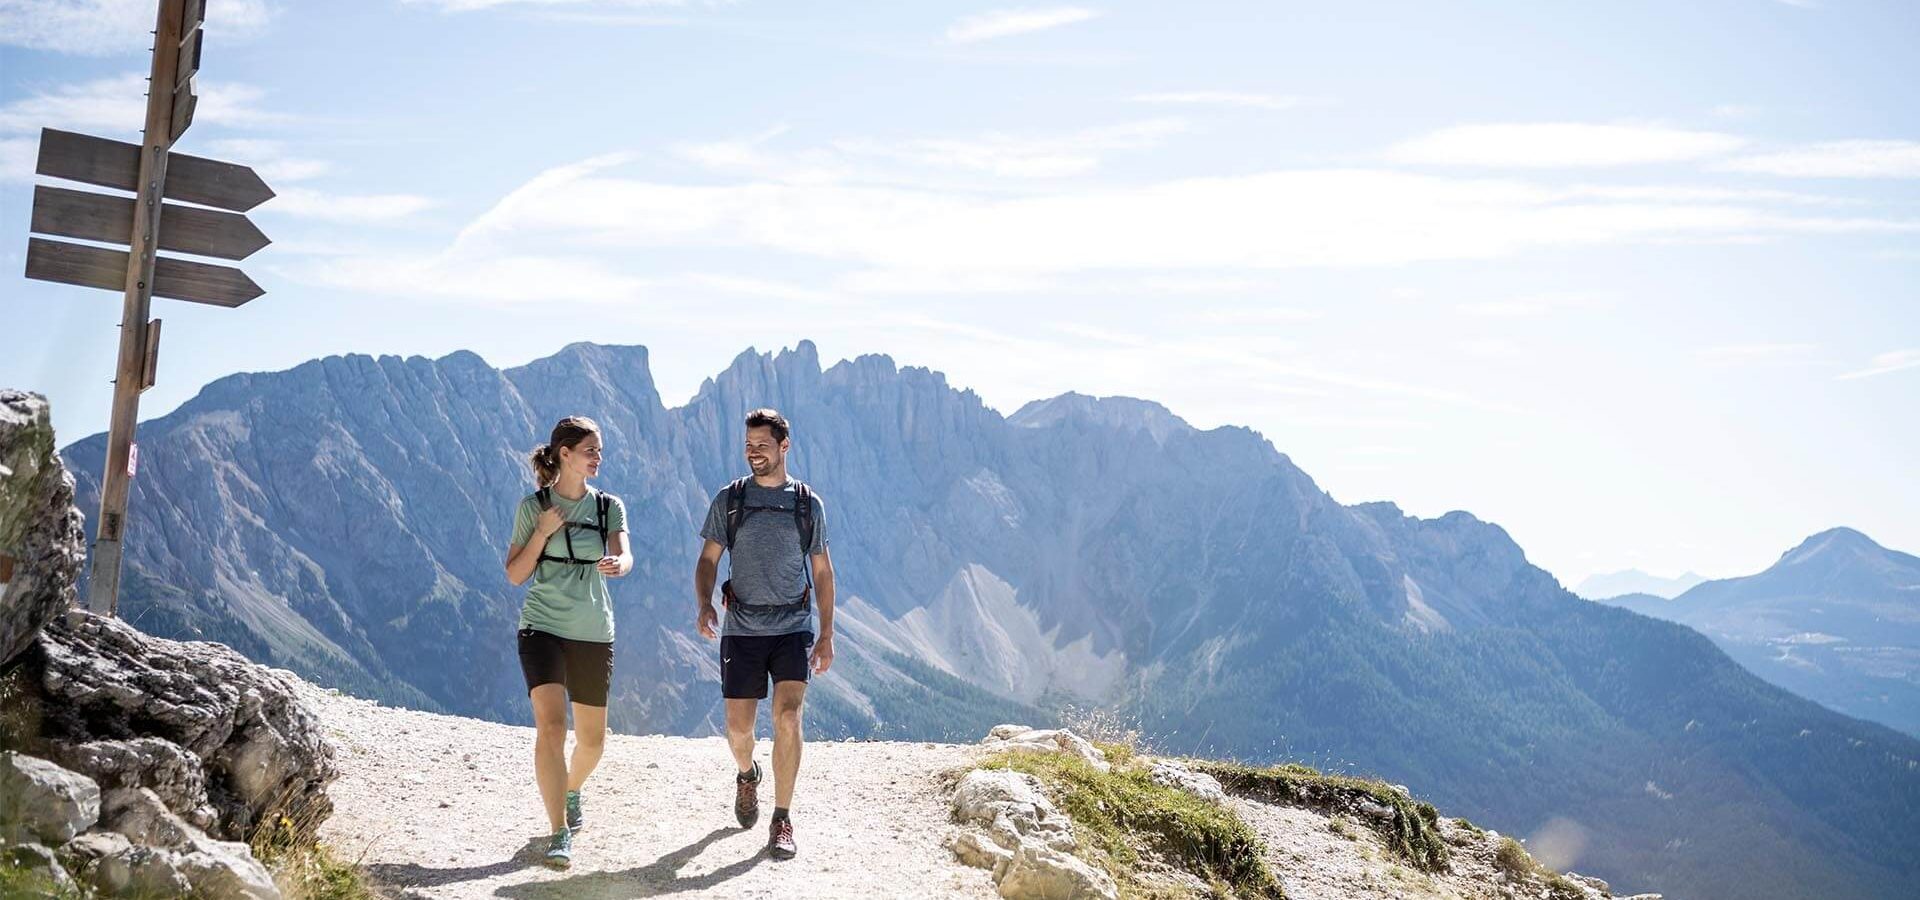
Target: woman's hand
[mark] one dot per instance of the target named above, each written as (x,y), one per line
(613,566)
(548,523)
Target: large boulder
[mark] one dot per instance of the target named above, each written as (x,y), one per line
(1028,843)
(1022,739)
(152,763)
(42,538)
(41,802)
(261,754)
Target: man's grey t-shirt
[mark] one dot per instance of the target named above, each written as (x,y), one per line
(766,564)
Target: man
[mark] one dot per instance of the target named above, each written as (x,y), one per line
(774,532)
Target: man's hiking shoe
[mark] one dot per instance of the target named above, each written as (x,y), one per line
(560,849)
(575,818)
(746,796)
(780,839)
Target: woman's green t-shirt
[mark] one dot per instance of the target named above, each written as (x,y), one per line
(566,600)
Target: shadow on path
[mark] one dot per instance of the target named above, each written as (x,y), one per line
(405,875)
(662,876)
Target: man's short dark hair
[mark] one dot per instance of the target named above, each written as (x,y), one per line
(765,417)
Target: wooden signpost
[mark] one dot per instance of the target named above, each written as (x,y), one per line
(145,224)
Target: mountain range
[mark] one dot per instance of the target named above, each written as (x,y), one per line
(347,518)
(1633,581)
(1836,619)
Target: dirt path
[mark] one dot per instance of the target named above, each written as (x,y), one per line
(436,806)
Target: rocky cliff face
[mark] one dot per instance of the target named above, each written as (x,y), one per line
(348,519)
(130,765)
(41,541)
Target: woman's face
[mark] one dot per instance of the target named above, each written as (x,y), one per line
(582,459)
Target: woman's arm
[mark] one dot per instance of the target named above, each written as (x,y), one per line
(618,561)
(522,559)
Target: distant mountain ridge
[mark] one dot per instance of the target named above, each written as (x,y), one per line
(347,518)
(1634,581)
(1836,619)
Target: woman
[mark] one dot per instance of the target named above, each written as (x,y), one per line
(569,538)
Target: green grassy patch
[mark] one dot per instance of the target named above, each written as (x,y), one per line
(305,869)
(1520,865)
(1120,813)
(22,883)
(1413,831)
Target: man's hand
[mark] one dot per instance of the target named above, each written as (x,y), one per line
(822,658)
(707,621)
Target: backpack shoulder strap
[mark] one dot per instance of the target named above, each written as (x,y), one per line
(803,515)
(736,508)
(606,503)
(544,497)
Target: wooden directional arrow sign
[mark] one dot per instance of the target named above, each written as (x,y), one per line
(107,269)
(115,164)
(187,229)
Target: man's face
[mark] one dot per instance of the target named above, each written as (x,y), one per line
(764,454)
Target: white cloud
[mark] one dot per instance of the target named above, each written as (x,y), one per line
(1229,98)
(307,203)
(1006,22)
(104,27)
(270,159)
(17,158)
(1020,157)
(1836,159)
(522,278)
(1764,354)
(1561,145)
(1892,361)
(460,6)
(1532,306)
(885,237)
(117,107)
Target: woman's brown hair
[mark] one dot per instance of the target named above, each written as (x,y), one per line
(567,432)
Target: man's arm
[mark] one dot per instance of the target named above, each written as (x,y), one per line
(704,573)
(823,600)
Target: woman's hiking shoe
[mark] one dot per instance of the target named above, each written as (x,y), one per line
(560,849)
(780,839)
(575,818)
(746,796)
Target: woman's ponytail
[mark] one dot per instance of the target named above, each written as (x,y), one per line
(546,465)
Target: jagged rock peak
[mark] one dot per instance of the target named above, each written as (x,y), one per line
(1123,412)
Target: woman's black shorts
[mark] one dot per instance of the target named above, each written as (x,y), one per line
(584,667)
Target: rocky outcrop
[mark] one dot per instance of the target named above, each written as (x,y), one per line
(248,751)
(1027,842)
(134,765)
(1022,739)
(43,803)
(41,537)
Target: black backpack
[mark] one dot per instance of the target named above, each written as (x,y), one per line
(737,513)
(599,525)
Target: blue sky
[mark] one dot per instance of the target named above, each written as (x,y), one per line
(1635,280)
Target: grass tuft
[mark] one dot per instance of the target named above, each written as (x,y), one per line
(1514,860)
(1412,832)
(1121,812)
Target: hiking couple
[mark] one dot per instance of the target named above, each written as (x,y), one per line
(569,538)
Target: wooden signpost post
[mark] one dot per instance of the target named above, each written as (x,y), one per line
(145,223)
